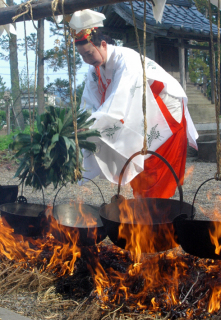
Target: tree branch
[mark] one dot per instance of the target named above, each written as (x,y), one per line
(42,9)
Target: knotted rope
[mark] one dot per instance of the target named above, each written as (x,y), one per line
(142,58)
(54,5)
(25,8)
(216,87)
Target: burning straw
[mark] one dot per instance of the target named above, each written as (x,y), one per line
(106,280)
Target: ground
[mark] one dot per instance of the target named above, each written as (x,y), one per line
(50,304)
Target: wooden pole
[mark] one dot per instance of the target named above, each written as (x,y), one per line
(182,65)
(7,98)
(8,116)
(211,75)
(42,9)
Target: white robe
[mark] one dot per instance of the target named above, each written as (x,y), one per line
(120,118)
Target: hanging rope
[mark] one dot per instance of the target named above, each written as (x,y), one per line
(25,8)
(5,3)
(136,31)
(216,87)
(29,102)
(142,58)
(77,172)
(35,84)
(27,70)
(144,150)
(74,112)
(54,5)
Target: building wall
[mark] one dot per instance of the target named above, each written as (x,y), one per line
(167,56)
(162,50)
(131,42)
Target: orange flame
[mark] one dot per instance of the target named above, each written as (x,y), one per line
(60,242)
(141,236)
(140,232)
(214,303)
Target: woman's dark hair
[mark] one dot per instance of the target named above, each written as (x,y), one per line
(96,37)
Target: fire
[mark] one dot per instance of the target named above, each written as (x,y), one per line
(189,173)
(139,275)
(140,232)
(59,241)
(142,239)
(214,303)
(215,235)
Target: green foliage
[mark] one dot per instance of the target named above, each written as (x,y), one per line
(61,88)
(199,59)
(31,42)
(2,102)
(2,89)
(79,92)
(26,81)
(25,115)
(6,140)
(52,155)
(56,57)
(199,70)
(2,118)
(202,6)
(4,45)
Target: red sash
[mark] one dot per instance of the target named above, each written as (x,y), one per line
(157,181)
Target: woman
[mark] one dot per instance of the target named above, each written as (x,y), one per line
(113,91)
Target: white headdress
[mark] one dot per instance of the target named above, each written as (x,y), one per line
(86,19)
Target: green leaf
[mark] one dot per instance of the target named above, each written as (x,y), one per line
(55,138)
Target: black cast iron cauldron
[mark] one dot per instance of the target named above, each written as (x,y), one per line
(152,218)
(194,235)
(36,219)
(79,219)
(8,194)
(26,219)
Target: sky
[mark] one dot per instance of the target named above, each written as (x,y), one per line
(50,75)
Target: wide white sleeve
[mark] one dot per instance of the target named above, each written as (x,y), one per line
(123,85)
(91,97)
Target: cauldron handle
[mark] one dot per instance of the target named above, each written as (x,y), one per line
(24,199)
(192,214)
(164,160)
(56,217)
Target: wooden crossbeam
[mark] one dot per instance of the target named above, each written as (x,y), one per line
(42,9)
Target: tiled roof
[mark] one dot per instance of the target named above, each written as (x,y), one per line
(179,15)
